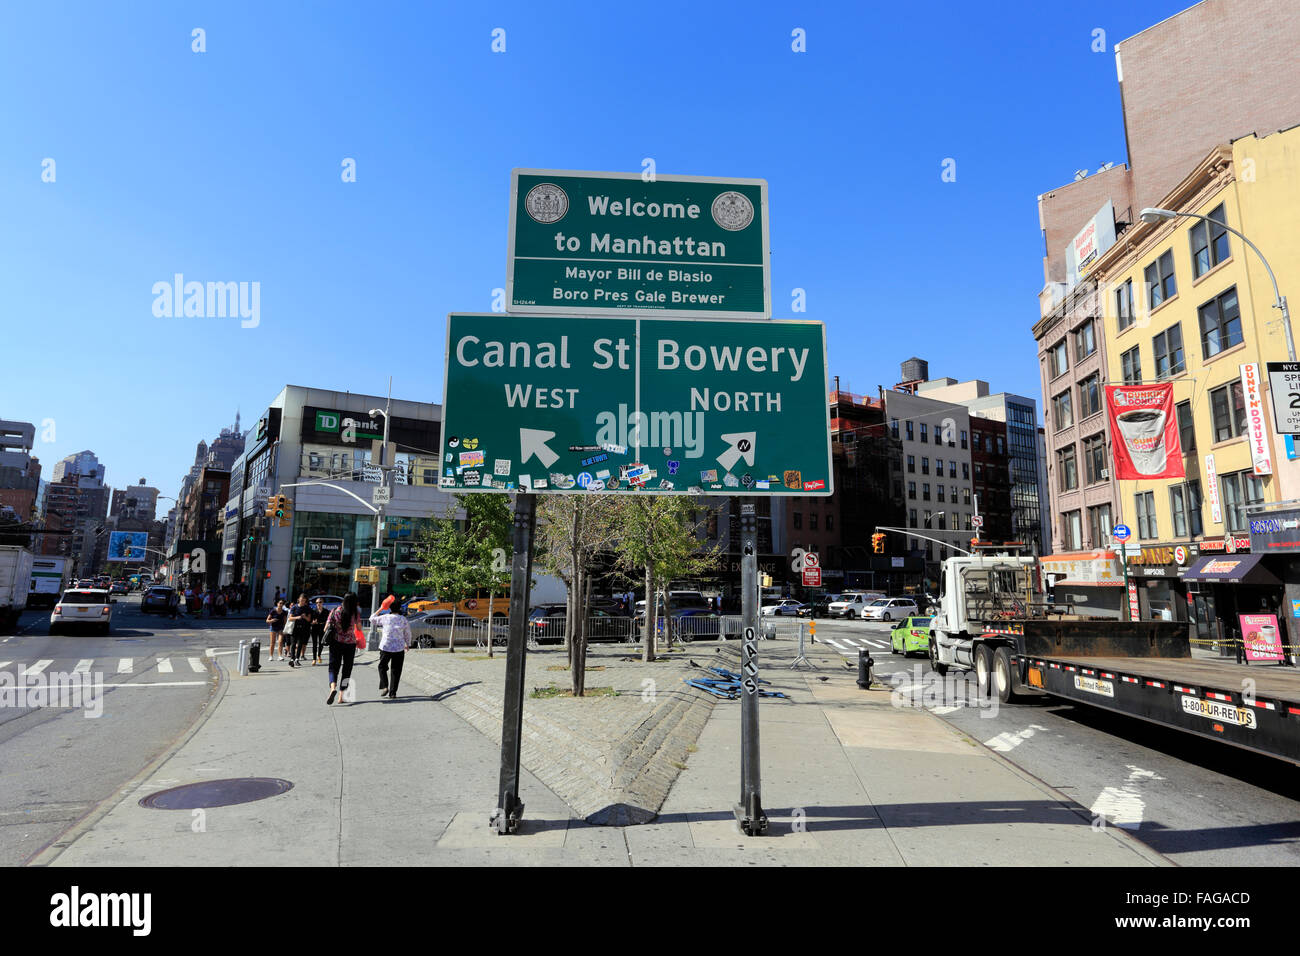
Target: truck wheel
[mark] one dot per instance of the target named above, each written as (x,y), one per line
(983,670)
(936,665)
(1004,676)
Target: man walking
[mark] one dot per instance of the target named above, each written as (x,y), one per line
(393,642)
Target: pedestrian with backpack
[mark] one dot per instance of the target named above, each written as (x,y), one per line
(341,632)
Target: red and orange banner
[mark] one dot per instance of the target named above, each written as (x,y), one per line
(1144,431)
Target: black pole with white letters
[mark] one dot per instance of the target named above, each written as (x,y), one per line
(510,809)
(749,812)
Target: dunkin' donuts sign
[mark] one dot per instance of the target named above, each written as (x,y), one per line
(1145,431)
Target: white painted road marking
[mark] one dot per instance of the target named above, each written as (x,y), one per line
(124,666)
(196,665)
(165,665)
(83,666)
(1124,806)
(1008,741)
(37,668)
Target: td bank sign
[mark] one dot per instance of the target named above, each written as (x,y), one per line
(336,426)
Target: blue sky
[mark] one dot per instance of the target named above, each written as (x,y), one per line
(225,166)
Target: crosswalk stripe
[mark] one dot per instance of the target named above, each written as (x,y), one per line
(124,666)
(83,666)
(5,663)
(196,665)
(165,665)
(37,668)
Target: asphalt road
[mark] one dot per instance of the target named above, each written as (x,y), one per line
(1199,802)
(58,762)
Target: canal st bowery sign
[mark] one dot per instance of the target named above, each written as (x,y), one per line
(614,244)
(680,406)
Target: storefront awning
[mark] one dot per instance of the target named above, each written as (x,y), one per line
(1231,569)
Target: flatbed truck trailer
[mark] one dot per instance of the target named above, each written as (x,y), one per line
(1141,669)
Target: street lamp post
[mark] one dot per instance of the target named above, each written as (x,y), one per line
(1153,215)
(384,481)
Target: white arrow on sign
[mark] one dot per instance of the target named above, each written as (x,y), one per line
(532,441)
(740,445)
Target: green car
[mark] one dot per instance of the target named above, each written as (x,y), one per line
(911,634)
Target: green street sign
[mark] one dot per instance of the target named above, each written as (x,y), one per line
(379,557)
(660,406)
(614,244)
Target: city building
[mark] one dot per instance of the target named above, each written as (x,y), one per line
(83,463)
(321,449)
(20,473)
(1202,318)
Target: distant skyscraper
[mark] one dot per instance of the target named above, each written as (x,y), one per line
(84,463)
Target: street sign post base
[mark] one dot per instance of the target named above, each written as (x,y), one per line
(752,819)
(507,822)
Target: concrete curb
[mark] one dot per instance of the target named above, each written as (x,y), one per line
(623,786)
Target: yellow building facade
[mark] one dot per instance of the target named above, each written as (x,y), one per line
(1188,303)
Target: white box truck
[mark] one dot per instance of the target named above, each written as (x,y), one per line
(49,581)
(15,581)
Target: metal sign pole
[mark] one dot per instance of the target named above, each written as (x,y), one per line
(749,812)
(510,808)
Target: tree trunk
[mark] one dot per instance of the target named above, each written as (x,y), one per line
(648,648)
(451,631)
(490,632)
(580,682)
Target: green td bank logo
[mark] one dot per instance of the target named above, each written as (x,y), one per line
(327,422)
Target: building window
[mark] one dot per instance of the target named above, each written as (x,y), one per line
(925,491)
(1062,414)
(1209,242)
(911,463)
(1067,469)
(1194,526)
(965,470)
(1168,348)
(1071,530)
(1124,305)
(928,516)
(943,521)
(911,490)
(893,427)
(963,439)
(938,467)
(965,495)
(1099,525)
(1094,458)
(898,488)
(1186,428)
(1131,366)
(1085,341)
(1178,510)
(939,490)
(966,525)
(798,519)
(812,521)
(1220,320)
(925,466)
(1160,280)
(1228,411)
(923,432)
(1090,395)
(1059,358)
(1241,491)
(952,493)
(911,518)
(909,431)
(830,522)
(951,441)
(1146,514)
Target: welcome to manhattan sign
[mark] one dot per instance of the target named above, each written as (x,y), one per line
(635,405)
(584,243)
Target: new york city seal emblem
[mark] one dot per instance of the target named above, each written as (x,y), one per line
(546,203)
(733,211)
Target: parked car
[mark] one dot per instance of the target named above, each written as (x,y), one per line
(83,607)
(546,625)
(819,606)
(890,609)
(912,635)
(433,629)
(157,600)
(786,607)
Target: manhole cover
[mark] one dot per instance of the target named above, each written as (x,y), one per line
(216,793)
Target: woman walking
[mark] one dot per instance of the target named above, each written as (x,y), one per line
(341,632)
(318,618)
(276,620)
(393,642)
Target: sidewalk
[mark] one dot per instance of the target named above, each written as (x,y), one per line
(848,779)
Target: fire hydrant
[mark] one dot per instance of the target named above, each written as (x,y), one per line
(866,666)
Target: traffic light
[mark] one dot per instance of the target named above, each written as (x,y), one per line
(270,507)
(878,542)
(765,580)
(283,511)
